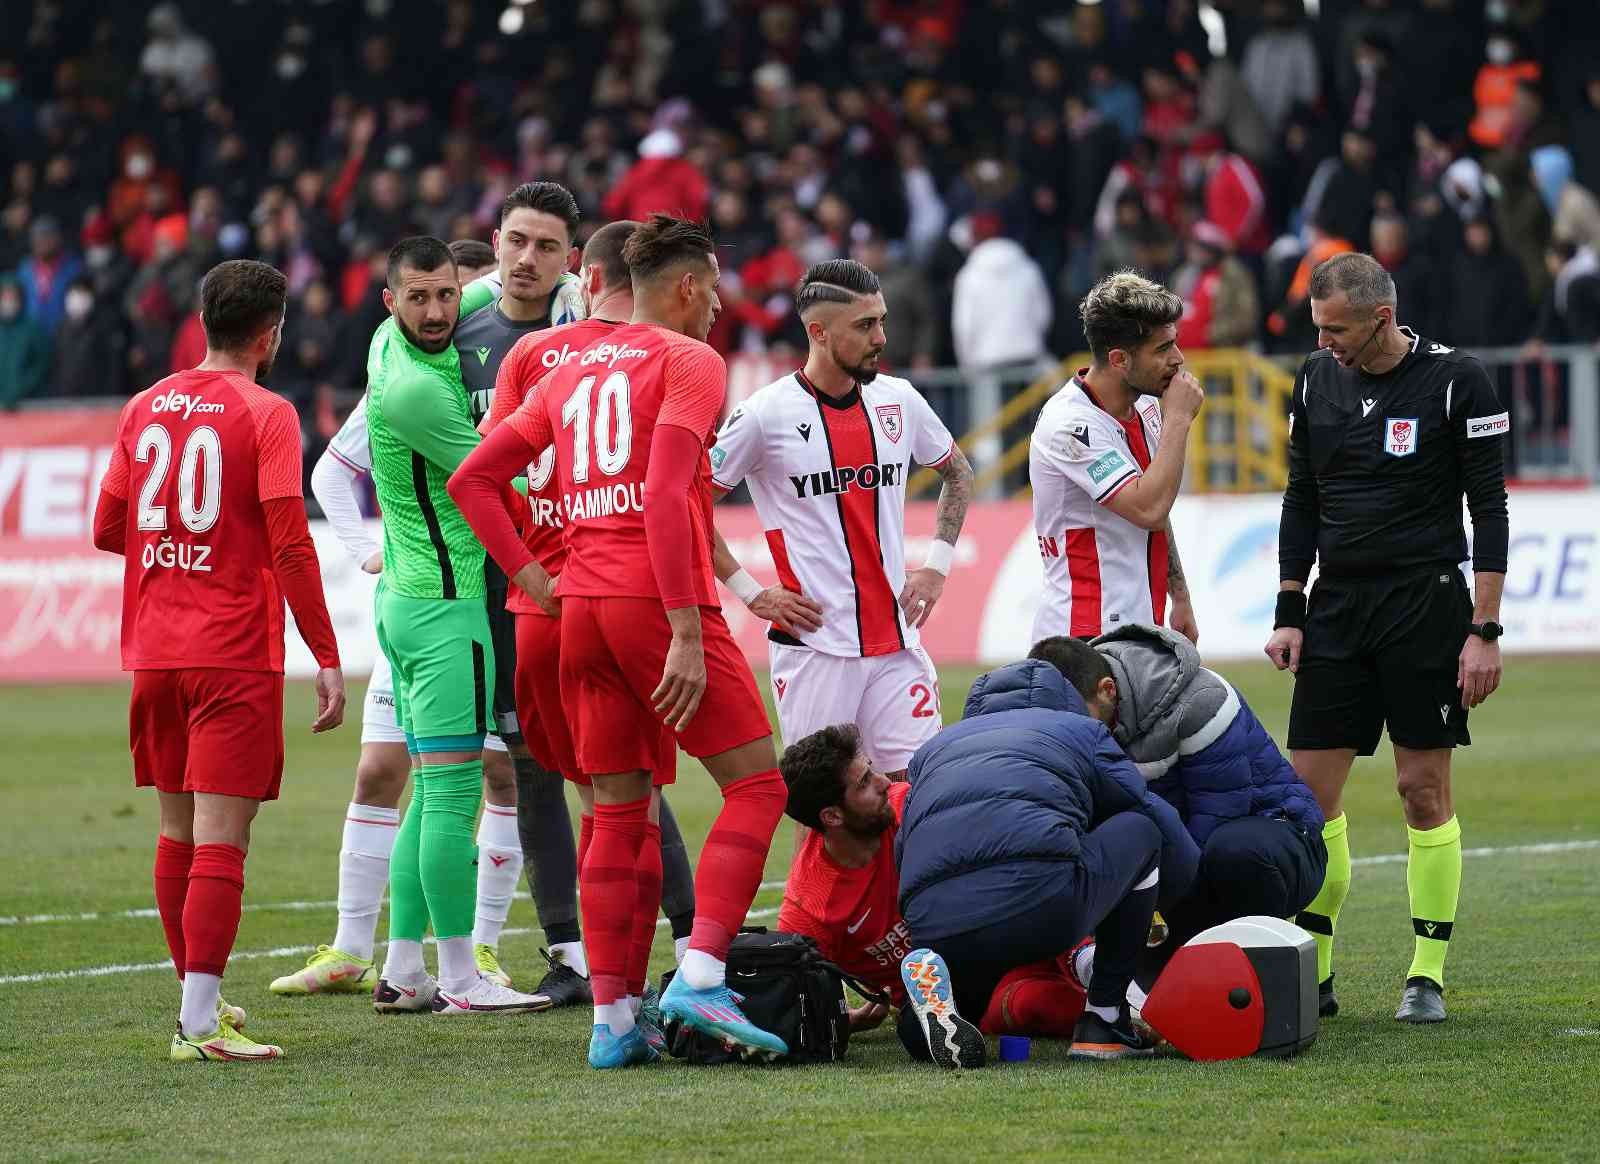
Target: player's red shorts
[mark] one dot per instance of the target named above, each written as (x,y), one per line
(612,654)
(204,729)
(543,714)
(1039,1000)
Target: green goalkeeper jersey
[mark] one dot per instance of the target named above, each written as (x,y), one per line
(419,423)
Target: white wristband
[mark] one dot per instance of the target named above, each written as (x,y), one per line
(744,587)
(941,556)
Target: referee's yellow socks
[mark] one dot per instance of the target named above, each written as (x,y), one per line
(1322,915)
(1433,878)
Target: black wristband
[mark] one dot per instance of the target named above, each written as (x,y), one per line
(1291,610)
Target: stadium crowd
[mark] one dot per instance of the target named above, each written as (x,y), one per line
(990,158)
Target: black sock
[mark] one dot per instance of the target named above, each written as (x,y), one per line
(1118,941)
(549,852)
(677,878)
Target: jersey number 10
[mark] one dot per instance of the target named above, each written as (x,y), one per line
(198,513)
(613,426)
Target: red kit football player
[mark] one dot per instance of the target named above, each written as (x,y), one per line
(643,641)
(202,498)
(608,293)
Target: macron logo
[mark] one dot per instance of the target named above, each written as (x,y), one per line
(183,404)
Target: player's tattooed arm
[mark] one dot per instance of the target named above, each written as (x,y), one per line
(1177,585)
(924,587)
(955,496)
(1181,617)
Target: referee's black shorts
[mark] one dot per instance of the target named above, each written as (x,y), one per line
(503,634)
(1382,652)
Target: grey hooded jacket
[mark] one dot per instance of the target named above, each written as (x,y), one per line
(1194,738)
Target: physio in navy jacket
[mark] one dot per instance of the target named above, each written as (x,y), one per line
(1201,748)
(1026,829)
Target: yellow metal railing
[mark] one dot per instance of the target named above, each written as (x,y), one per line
(1241,444)
(1024,404)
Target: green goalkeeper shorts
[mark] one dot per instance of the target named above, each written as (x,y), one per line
(443,662)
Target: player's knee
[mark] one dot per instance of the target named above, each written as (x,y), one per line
(381,775)
(1424,794)
(499,778)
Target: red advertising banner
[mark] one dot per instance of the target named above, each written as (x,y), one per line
(60,611)
(51,463)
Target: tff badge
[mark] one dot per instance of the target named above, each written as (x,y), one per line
(1400,436)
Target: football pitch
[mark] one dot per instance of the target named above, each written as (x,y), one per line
(87,998)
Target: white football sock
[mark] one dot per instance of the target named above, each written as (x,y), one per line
(404,960)
(572,954)
(458,969)
(499,867)
(1109,1013)
(701,971)
(369,833)
(635,1004)
(198,1014)
(616,1015)
(1083,965)
(680,947)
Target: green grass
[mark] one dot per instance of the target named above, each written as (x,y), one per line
(83,1070)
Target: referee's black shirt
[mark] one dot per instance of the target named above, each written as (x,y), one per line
(1378,465)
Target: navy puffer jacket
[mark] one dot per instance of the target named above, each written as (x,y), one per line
(999,801)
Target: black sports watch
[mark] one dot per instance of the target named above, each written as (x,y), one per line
(1487,631)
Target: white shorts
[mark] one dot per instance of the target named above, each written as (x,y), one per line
(892,699)
(378,724)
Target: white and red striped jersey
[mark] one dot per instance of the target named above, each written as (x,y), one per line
(1100,570)
(350,444)
(828,478)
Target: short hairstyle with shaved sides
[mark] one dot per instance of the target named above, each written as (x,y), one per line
(663,242)
(836,281)
(1361,277)
(604,250)
(420,252)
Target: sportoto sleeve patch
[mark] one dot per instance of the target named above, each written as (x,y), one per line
(1487,426)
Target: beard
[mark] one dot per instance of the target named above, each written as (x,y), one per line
(866,827)
(264,368)
(1154,385)
(860,373)
(432,347)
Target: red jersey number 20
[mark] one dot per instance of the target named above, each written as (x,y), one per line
(610,441)
(199,477)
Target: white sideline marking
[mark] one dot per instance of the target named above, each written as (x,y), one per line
(286,951)
(261,907)
(243,956)
(1506,850)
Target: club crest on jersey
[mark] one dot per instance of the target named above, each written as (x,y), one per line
(890,421)
(1400,436)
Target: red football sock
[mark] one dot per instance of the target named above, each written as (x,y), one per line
(647,875)
(608,892)
(172,886)
(211,908)
(1037,1000)
(734,858)
(585,837)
